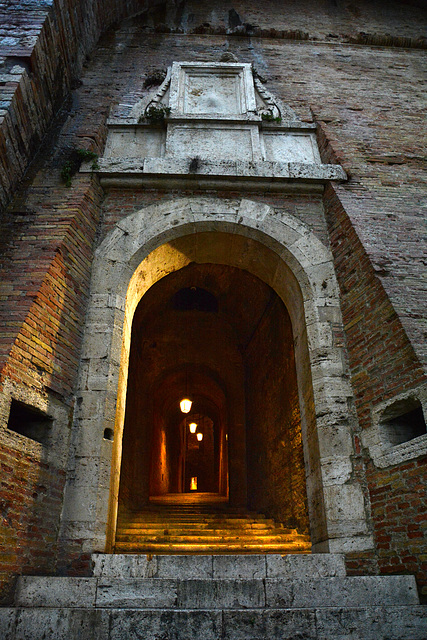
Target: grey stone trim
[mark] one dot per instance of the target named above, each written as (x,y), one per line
(239,170)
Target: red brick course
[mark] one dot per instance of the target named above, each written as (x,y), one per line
(398,503)
(30,508)
(41,339)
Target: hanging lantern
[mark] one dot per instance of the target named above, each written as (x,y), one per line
(185,405)
(193,427)
(199,436)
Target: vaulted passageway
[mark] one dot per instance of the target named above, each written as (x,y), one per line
(223,338)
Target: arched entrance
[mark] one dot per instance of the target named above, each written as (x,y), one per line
(222,337)
(282,252)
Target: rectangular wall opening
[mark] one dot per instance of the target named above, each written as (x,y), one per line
(29,421)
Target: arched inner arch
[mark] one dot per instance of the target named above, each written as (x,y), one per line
(151,264)
(222,336)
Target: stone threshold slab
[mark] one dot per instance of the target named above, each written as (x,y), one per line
(160,593)
(310,565)
(355,623)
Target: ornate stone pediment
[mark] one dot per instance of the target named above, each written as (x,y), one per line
(213,120)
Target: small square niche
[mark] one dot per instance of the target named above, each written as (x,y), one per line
(29,421)
(403,421)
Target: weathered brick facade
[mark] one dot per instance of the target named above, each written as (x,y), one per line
(355,69)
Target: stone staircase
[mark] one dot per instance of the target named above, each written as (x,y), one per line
(216,597)
(204,529)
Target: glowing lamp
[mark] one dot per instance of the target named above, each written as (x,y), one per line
(193,427)
(185,405)
(199,437)
(193,484)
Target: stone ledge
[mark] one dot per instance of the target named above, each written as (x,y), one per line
(224,175)
(375,438)
(210,593)
(399,453)
(226,168)
(290,126)
(313,623)
(200,183)
(319,565)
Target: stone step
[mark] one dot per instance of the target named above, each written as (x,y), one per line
(331,623)
(196,518)
(217,547)
(199,519)
(188,529)
(211,593)
(196,527)
(219,507)
(258,597)
(207,537)
(316,565)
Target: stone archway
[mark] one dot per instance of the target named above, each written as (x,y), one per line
(282,252)
(223,337)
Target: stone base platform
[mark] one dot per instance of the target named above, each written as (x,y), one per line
(258,597)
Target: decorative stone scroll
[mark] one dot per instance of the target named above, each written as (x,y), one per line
(215,120)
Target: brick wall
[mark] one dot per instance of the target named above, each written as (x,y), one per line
(30,506)
(47,245)
(276,481)
(47,320)
(383,22)
(382,359)
(42,50)
(398,501)
(368,103)
(383,364)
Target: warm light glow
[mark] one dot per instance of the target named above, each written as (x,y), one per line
(199,437)
(193,484)
(193,427)
(185,405)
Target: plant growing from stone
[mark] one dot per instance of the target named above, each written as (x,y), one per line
(155,114)
(268,117)
(155,79)
(72,165)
